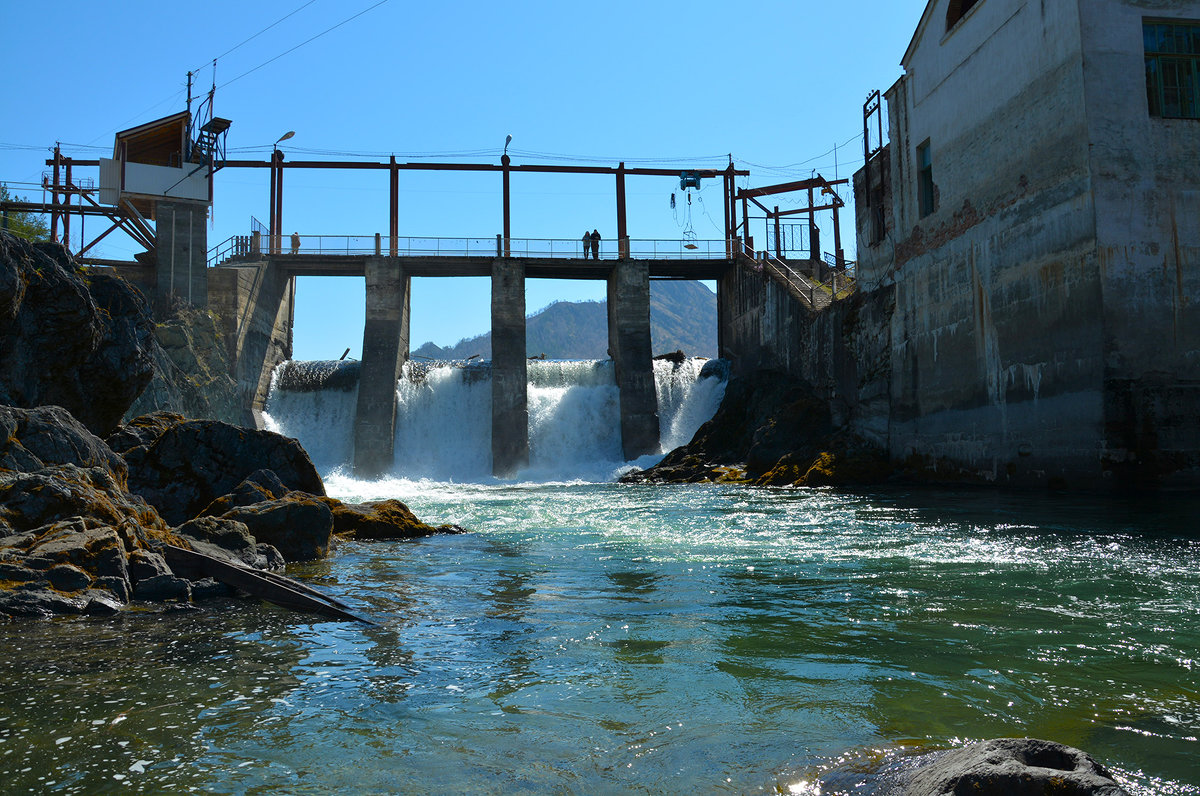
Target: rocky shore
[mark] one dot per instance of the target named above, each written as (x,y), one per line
(771,430)
(94,514)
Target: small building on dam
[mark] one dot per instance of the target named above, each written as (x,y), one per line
(1029,250)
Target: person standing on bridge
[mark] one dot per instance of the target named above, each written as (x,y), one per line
(595,236)
(295,243)
(587,243)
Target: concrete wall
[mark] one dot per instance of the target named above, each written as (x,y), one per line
(181,247)
(510,397)
(1146,182)
(253,304)
(630,348)
(385,349)
(997,364)
(1043,330)
(844,351)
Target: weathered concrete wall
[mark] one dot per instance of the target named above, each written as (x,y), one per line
(1045,329)
(510,399)
(997,360)
(385,348)
(181,247)
(1146,181)
(630,349)
(254,306)
(844,352)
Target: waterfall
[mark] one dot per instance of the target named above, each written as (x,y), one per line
(443,416)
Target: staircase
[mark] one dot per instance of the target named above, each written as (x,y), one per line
(814,295)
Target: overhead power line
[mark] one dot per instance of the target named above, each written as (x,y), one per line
(256,35)
(301,44)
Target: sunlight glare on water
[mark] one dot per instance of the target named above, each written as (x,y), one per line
(604,638)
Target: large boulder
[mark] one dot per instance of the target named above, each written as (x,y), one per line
(299,525)
(381,520)
(69,337)
(31,439)
(1013,767)
(221,537)
(71,566)
(31,500)
(181,466)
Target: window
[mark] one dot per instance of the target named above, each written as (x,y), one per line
(957,10)
(1173,68)
(925,195)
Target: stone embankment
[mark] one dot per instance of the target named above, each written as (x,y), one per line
(92,514)
(770,430)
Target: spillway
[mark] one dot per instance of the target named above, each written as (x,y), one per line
(443,424)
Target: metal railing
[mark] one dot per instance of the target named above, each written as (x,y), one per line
(818,288)
(256,245)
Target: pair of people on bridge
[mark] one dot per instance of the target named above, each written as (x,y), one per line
(591,243)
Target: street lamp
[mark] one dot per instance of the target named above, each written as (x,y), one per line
(276,209)
(507,141)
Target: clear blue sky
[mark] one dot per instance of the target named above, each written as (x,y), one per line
(775,84)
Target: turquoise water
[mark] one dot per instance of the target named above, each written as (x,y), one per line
(599,638)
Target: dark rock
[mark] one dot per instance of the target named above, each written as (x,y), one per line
(32,439)
(40,603)
(16,573)
(191,369)
(69,337)
(771,430)
(227,538)
(32,500)
(1013,767)
(181,466)
(103,605)
(259,486)
(381,519)
(146,564)
(143,431)
(209,589)
(299,525)
(161,588)
(71,542)
(118,586)
(67,577)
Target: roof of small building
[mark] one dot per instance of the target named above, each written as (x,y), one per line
(158,143)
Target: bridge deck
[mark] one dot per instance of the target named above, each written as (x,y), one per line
(446,265)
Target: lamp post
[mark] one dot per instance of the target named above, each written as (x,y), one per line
(276,210)
(504,162)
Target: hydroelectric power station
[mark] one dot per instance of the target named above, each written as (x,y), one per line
(163,171)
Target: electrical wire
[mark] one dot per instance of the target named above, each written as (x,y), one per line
(256,35)
(301,44)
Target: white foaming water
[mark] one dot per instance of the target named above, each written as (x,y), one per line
(323,421)
(443,420)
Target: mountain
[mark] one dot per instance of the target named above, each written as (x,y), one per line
(683,317)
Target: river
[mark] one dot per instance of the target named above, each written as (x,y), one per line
(592,637)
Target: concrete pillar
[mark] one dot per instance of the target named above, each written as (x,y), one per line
(385,347)
(252,304)
(181,250)
(629,347)
(510,398)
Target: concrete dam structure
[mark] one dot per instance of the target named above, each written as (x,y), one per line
(1025,306)
(254,299)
